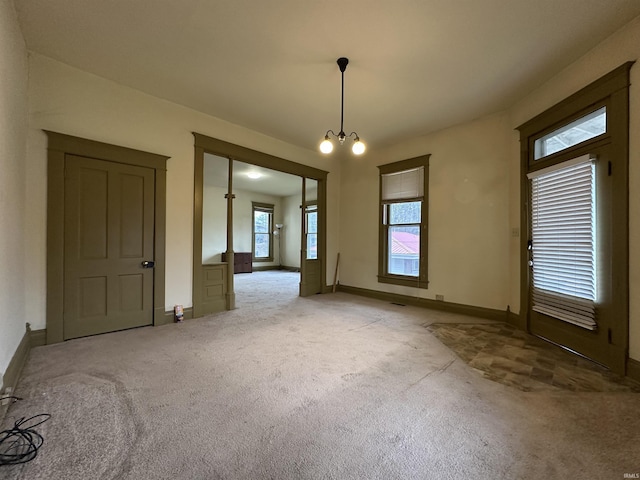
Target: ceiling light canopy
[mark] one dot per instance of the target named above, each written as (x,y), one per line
(327,146)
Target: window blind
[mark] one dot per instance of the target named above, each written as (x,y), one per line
(405,185)
(563,242)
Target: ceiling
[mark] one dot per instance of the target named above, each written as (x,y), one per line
(416,66)
(269,182)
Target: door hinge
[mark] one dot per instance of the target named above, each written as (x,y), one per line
(609,335)
(609,168)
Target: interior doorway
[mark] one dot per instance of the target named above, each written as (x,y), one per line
(251,214)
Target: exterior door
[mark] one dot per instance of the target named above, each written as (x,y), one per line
(564,242)
(108,246)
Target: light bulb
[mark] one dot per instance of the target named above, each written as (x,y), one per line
(326,146)
(358,147)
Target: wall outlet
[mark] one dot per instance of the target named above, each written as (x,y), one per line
(515,232)
(440,298)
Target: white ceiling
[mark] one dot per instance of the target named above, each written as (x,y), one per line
(270,182)
(416,66)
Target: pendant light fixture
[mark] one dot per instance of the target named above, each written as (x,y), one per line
(326,146)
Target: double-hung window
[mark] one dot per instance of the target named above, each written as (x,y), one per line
(262,232)
(311,231)
(403,222)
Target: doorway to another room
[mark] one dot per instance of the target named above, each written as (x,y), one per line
(257,219)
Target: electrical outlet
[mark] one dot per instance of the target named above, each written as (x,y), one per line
(515,232)
(440,298)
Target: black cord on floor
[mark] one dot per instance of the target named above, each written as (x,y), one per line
(20,444)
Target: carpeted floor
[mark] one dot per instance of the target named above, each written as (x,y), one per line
(327,387)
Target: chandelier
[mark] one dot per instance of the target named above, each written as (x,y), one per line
(327,146)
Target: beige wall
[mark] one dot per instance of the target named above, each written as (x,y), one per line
(243,219)
(68,100)
(474,255)
(468,214)
(13,134)
(621,47)
(474,184)
(291,232)
(214,213)
(214,223)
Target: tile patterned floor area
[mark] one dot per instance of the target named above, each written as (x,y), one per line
(504,354)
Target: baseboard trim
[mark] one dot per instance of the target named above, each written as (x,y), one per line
(515,320)
(264,268)
(38,338)
(12,374)
(169,317)
(290,269)
(482,312)
(633,369)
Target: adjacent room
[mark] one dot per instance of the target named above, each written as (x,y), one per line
(341,240)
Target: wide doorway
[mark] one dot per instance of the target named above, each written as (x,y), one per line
(252,213)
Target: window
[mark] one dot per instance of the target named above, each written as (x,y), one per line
(563,241)
(583,129)
(403,222)
(311,231)
(262,232)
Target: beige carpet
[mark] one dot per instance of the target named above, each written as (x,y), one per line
(328,387)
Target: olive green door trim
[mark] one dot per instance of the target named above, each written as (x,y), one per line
(59,146)
(204,144)
(254,157)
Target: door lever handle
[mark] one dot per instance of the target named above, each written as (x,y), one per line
(148,264)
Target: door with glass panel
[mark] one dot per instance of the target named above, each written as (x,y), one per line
(569,244)
(310,262)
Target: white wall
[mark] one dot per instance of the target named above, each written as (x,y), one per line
(474,200)
(70,101)
(621,47)
(291,232)
(214,223)
(13,134)
(243,220)
(468,214)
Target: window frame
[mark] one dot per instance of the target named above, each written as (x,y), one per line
(310,208)
(421,280)
(267,208)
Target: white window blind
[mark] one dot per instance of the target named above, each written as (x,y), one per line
(563,241)
(408,184)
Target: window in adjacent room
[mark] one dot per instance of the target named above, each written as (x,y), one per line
(262,232)
(311,231)
(403,222)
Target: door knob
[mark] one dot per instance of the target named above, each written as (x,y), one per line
(148,264)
